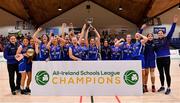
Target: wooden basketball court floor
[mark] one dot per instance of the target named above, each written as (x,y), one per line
(174,97)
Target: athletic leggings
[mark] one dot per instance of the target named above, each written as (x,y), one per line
(163,64)
(12,69)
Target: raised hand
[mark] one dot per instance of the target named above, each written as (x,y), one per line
(51,38)
(84,26)
(51,34)
(122,40)
(143,26)
(64,24)
(39,29)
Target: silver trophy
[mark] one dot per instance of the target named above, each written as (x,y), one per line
(30,52)
(89,22)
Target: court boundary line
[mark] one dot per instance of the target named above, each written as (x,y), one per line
(117,99)
(80,99)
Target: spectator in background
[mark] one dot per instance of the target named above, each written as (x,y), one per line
(29,35)
(20,38)
(1,47)
(1,43)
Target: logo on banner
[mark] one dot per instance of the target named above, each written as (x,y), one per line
(42,78)
(131,77)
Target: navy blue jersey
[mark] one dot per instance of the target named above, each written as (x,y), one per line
(138,49)
(10,52)
(106,53)
(24,49)
(149,54)
(43,52)
(84,54)
(149,51)
(65,52)
(25,64)
(162,45)
(116,53)
(55,53)
(93,53)
(76,51)
(127,51)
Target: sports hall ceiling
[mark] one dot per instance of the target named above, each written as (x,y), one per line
(41,11)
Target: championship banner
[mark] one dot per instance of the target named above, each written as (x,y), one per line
(86,78)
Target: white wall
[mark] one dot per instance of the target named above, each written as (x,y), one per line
(167,19)
(102,18)
(8,22)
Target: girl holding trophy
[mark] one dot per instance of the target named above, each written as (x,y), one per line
(24,55)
